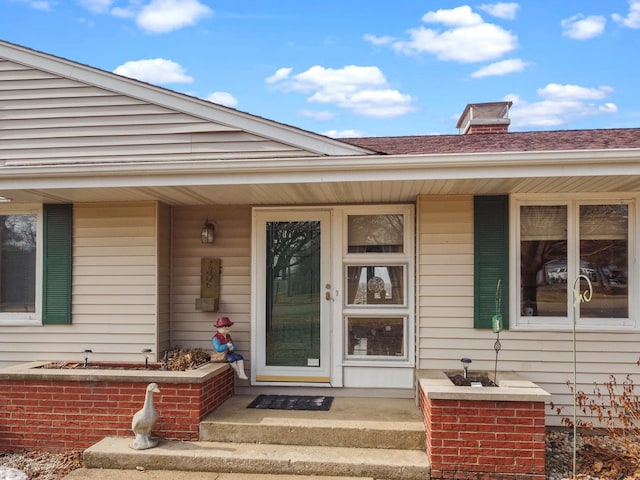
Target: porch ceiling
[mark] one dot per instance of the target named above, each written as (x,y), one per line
(326,192)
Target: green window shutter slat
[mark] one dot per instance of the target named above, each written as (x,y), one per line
(56,301)
(491,258)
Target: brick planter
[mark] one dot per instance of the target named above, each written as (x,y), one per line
(483,432)
(57,410)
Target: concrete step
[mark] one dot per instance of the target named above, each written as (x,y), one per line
(113,474)
(260,459)
(351,422)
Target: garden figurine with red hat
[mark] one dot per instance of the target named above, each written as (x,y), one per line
(222,343)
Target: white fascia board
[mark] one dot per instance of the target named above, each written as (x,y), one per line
(325,169)
(181,102)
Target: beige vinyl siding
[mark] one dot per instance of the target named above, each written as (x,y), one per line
(114,293)
(46,118)
(232,246)
(445,317)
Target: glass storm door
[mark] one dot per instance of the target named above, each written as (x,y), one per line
(292,311)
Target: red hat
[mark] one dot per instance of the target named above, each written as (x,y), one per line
(223,322)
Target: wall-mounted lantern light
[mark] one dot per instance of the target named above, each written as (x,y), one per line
(208,232)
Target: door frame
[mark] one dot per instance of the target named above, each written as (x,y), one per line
(262,374)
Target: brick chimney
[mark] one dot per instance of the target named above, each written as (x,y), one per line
(490,117)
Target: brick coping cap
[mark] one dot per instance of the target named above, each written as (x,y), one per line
(29,371)
(511,388)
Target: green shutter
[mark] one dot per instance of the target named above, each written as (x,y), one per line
(56,288)
(491,254)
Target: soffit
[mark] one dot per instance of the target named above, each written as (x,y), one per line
(325,192)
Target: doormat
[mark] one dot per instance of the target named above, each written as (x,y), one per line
(291,402)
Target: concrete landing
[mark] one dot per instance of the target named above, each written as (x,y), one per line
(260,459)
(388,423)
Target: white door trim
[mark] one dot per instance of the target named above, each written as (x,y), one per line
(311,375)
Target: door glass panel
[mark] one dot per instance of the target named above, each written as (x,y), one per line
(375,233)
(293,293)
(380,284)
(604,259)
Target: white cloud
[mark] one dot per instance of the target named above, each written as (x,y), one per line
(503,67)
(384,40)
(156,70)
(317,115)
(223,98)
(96,6)
(123,12)
(361,90)
(343,133)
(608,108)
(154,16)
(632,20)
(559,105)
(162,16)
(456,17)
(281,74)
(42,5)
(580,27)
(501,10)
(574,92)
(466,37)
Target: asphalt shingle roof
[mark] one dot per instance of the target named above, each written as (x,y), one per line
(502,142)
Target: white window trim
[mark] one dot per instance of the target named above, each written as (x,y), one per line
(573,201)
(406,259)
(27,318)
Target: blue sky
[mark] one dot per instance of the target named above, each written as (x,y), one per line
(360,67)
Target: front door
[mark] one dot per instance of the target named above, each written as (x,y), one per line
(292,253)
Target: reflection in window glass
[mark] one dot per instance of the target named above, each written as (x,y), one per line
(292,293)
(376,336)
(367,285)
(375,233)
(17,263)
(543,260)
(603,259)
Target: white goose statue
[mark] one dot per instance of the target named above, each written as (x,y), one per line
(144,421)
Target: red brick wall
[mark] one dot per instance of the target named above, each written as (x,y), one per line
(58,415)
(494,438)
(476,129)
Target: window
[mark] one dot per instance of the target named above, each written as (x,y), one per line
(376,233)
(380,284)
(377,264)
(35,264)
(18,262)
(382,337)
(19,266)
(559,242)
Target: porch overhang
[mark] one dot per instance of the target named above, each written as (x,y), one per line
(322,180)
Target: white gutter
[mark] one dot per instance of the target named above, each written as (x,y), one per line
(74,174)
